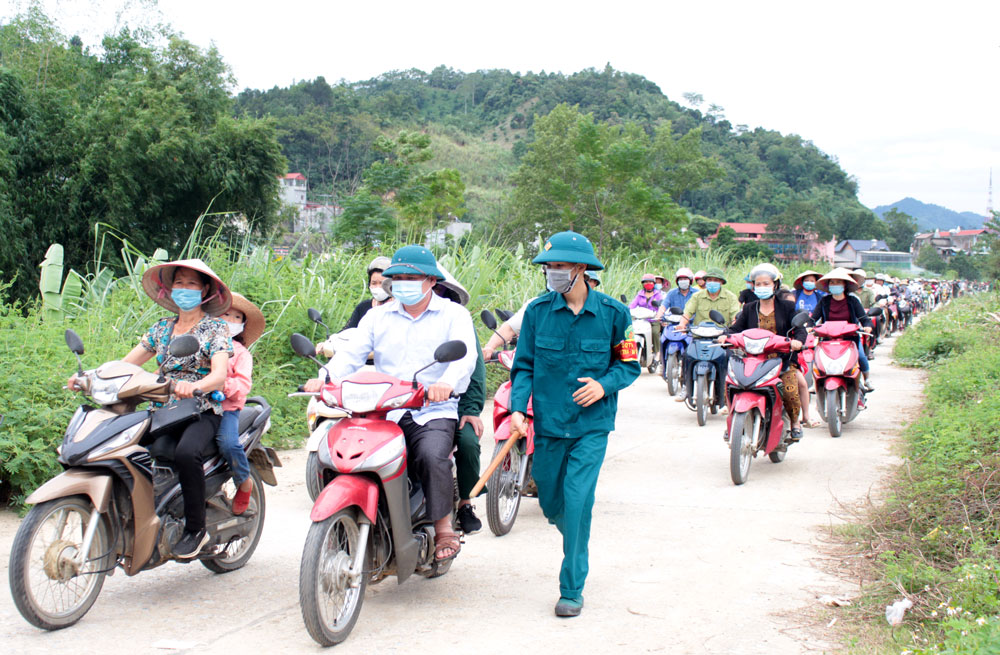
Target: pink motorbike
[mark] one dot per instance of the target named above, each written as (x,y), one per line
(512,479)
(370,520)
(840,393)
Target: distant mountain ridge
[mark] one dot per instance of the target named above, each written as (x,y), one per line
(933,217)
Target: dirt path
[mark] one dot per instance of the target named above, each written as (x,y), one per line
(682,561)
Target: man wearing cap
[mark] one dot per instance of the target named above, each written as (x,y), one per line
(698,309)
(404,334)
(574,354)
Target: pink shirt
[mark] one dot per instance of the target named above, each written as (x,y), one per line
(238,380)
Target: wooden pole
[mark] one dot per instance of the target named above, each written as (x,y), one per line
(511,440)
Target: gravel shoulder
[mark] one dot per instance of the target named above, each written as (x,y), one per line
(682,561)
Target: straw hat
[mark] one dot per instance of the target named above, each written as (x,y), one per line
(842,274)
(158,282)
(798,281)
(254,326)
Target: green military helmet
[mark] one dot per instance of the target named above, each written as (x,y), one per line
(414,260)
(715,272)
(569,247)
(593,276)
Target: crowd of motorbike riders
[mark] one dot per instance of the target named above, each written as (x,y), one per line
(426,308)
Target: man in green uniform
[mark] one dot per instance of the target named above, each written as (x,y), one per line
(697,309)
(574,354)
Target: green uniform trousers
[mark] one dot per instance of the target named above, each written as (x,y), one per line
(467,461)
(565,471)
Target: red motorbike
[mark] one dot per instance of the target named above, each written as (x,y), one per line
(512,479)
(840,393)
(370,519)
(806,357)
(756,422)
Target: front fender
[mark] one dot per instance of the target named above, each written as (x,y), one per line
(834,383)
(346,491)
(745,401)
(75,482)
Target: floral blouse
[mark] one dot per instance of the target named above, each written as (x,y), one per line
(212,334)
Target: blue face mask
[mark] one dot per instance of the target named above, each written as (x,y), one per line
(713,287)
(408,292)
(808,286)
(749,285)
(186,299)
(658,286)
(763,292)
(836,289)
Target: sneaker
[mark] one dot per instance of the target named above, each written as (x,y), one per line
(241,501)
(467,520)
(190,544)
(569,607)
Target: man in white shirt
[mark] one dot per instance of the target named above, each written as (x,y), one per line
(403,334)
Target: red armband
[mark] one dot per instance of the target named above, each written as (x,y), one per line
(627,351)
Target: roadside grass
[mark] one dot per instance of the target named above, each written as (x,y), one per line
(936,538)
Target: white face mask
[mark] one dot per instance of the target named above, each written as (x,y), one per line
(378,293)
(235,329)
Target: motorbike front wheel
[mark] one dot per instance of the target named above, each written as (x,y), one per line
(503,497)
(314,476)
(238,552)
(49,587)
(330,605)
(833,417)
(700,399)
(742,440)
(673,372)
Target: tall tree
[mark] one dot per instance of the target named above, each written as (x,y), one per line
(900,229)
(929,259)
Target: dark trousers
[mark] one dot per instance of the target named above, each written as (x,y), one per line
(428,449)
(467,461)
(189,456)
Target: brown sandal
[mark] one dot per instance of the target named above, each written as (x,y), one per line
(443,542)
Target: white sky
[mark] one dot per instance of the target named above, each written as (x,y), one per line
(903,94)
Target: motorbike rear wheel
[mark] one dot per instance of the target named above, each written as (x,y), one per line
(503,497)
(701,409)
(742,441)
(49,589)
(238,553)
(833,418)
(330,605)
(673,374)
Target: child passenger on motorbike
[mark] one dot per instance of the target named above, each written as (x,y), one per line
(774,315)
(192,291)
(246,324)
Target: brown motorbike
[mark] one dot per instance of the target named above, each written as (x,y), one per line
(118,502)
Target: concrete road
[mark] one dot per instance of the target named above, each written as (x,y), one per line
(682,561)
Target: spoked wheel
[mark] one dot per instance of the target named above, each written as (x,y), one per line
(673,373)
(503,497)
(330,605)
(51,588)
(236,553)
(833,417)
(314,476)
(742,441)
(701,409)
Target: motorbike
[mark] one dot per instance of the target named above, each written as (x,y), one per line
(118,501)
(756,422)
(839,391)
(674,343)
(643,331)
(370,519)
(512,480)
(806,358)
(704,350)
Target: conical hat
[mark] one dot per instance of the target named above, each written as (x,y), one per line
(254,326)
(158,282)
(798,281)
(842,274)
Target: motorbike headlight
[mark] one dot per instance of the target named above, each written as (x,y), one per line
(105,390)
(399,401)
(834,366)
(117,442)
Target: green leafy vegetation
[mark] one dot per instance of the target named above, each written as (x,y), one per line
(937,537)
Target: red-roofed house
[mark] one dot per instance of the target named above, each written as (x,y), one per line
(949,242)
(800,246)
(294,188)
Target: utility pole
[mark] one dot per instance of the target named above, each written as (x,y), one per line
(989,197)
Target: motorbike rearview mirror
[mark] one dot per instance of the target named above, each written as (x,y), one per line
(183,346)
(654,303)
(450,351)
(623,298)
(317,318)
(800,319)
(75,344)
(675,311)
(874,311)
(488,319)
(303,347)
(503,314)
(716,316)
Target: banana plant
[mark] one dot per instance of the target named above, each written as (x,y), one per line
(56,302)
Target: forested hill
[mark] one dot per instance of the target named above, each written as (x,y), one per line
(481,122)
(933,217)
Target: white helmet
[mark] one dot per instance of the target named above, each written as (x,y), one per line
(766,269)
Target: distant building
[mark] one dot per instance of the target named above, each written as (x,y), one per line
(951,242)
(803,246)
(861,253)
(311,216)
(455,228)
(294,188)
